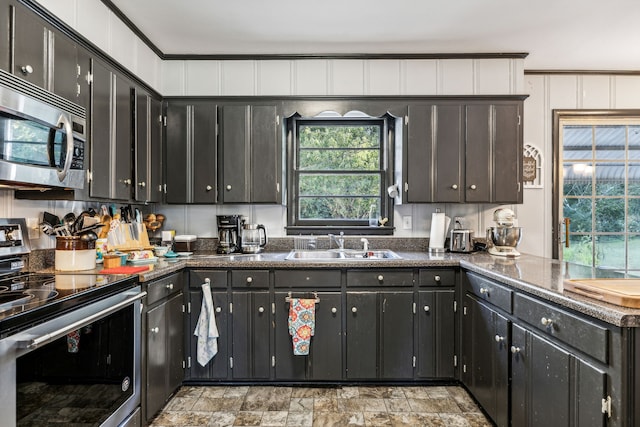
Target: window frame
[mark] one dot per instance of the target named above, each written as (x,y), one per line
(295,225)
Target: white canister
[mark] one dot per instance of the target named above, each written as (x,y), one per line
(73,254)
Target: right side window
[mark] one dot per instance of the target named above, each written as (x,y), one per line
(599,198)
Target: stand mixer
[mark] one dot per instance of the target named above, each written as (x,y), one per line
(504,238)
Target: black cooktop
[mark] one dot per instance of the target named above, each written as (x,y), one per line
(31,298)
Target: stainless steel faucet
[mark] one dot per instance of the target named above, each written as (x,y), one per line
(339,241)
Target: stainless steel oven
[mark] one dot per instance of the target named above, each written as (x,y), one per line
(69,344)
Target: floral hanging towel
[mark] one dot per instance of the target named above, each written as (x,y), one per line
(302,323)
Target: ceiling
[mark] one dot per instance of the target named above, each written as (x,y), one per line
(567,35)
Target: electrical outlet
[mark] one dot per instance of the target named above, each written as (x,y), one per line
(34,229)
(406,222)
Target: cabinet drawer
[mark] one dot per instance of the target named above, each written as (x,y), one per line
(218,278)
(490,291)
(162,288)
(307,278)
(578,332)
(379,278)
(255,279)
(436,277)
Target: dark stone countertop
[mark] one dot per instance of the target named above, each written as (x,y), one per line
(538,276)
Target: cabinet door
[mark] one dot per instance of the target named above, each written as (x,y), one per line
(100,136)
(479,153)
(141,149)
(486,358)
(436,334)
(157,335)
(507,161)
(418,154)
(396,343)
(265,155)
(64,67)
(29,46)
(216,368)
(362,335)
(552,387)
(251,335)
(177,136)
(175,343)
(288,365)
(122,177)
(155,156)
(326,344)
(235,153)
(204,166)
(448,154)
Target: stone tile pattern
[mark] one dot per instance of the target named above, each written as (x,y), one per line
(442,406)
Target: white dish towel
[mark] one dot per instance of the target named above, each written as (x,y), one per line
(206,328)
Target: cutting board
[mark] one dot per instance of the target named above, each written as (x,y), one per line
(624,292)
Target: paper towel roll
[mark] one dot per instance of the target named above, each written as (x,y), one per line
(439,226)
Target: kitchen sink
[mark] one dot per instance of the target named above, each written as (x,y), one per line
(346,255)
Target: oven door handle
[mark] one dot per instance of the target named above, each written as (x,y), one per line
(34,343)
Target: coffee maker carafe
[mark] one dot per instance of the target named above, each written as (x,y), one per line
(229,228)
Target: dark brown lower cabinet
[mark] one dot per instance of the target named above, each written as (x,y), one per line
(379,340)
(324,362)
(552,387)
(485,358)
(436,334)
(251,335)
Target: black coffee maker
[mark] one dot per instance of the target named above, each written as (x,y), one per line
(229,232)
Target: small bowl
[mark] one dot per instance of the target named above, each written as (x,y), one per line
(160,250)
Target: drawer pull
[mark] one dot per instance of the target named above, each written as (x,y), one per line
(249,279)
(546,322)
(228,187)
(261,310)
(484,291)
(473,187)
(208,188)
(170,286)
(155,330)
(437,278)
(498,338)
(454,186)
(354,309)
(426,308)
(515,350)
(218,309)
(334,310)
(380,278)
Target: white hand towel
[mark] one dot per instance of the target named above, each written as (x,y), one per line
(206,328)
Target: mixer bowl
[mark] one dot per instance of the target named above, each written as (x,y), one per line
(506,236)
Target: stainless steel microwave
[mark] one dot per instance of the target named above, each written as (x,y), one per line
(42,137)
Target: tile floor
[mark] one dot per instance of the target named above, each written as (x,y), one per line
(445,406)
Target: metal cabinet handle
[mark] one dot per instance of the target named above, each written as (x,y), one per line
(26,69)
(208,188)
(354,309)
(426,308)
(515,349)
(484,291)
(142,184)
(546,322)
(170,286)
(155,330)
(334,310)
(473,186)
(260,309)
(126,181)
(454,186)
(437,278)
(218,309)
(380,277)
(498,338)
(228,187)
(249,279)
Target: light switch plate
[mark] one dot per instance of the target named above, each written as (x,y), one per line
(406,222)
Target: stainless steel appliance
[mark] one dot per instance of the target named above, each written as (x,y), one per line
(69,343)
(461,240)
(42,137)
(505,236)
(253,238)
(229,233)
